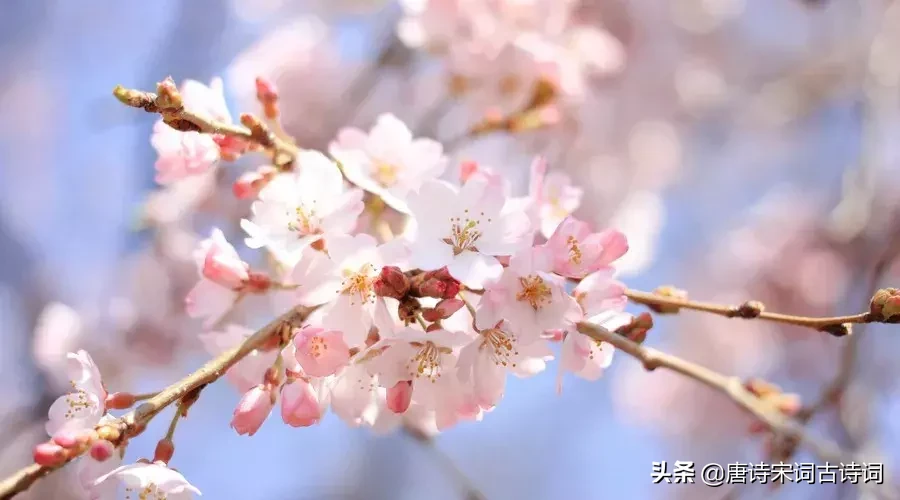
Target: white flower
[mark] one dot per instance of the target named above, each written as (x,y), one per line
(153,481)
(388,161)
(464,229)
(297,209)
(85,406)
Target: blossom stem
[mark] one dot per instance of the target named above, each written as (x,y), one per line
(421,320)
(470,490)
(729,386)
(836,325)
(134,422)
(170,432)
(469,308)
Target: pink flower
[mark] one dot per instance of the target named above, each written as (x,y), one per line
(465,230)
(399,396)
(578,252)
(315,278)
(388,161)
(555,195)
(253,409)
(528,296)
(84,407)
(301,404)
(496,351)
(599,293)
(355,393)
(152,481)
(184,154)
(320,352)
(222,275)
(297,209)
(586,357)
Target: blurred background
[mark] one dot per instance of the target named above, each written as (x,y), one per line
(747,148)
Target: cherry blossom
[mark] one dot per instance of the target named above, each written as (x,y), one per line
(388,161)
(528,296)
(358,261)
(298,209)
(554,194)
(465,230)
(320,352)
(223,276)
(598,293)
(578,252)
(586,357)
(184,154)
(253,409)
(495,352)
(304,403)
(84,407)
(151,481)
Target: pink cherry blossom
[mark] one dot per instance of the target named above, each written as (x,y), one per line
(355,393)
(222,275)
(399,396)
(528,296)
(320,352)
(184,154)
(554,194)
(85,406)
(496,351)
(314,278)
(578,252)
(297,209)
(598,293)
(388,161)
(153,481)
(358,260)
(302,403)
(586,357)
(253,409)
(465,230)
(90,470)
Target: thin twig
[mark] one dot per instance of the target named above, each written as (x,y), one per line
(136,421)
(836,325)
(729,386)
(470,491)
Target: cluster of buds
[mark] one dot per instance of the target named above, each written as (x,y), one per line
(65,446)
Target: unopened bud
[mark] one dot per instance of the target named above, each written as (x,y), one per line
(669,292)
(885,305)
(120,400)
(391,283)
(399,396)
(258,130)
(750,309)
(49,454)
(444,309)
(267,95)
(467,169)
(257,282)
(101,450)
(169,97)
(66,439)
(249,184)
(231,147)
(135,98)
(165,448)
(438,284)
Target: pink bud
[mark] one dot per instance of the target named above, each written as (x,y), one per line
(391,283)
(448,307)
(66,439)
(399,396)
(438,284)
(300,405)
(257,282)
(265,90)
(165,448)
(120,400)
(101,450)
(49,454)
(252,410)
(222,266)
(467,169)
(249,184)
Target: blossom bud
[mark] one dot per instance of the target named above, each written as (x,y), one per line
(267,95)
(49,454)
(438,284)
(444,309)
(120,400)
(391,283)
(258,130)
(300,405)
(66,439)
(252,410)
(467,169)
(165,448)
(249,184)
(669,292)
(885,305)
(257,282)
(636,330)
(101,450)
(135,98)
(169,96)
(231,147)
(399,396)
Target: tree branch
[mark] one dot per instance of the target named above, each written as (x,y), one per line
(729,386)
(135,422)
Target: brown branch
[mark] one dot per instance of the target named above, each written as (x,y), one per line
(665,300)
(729,386)
(135,422)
